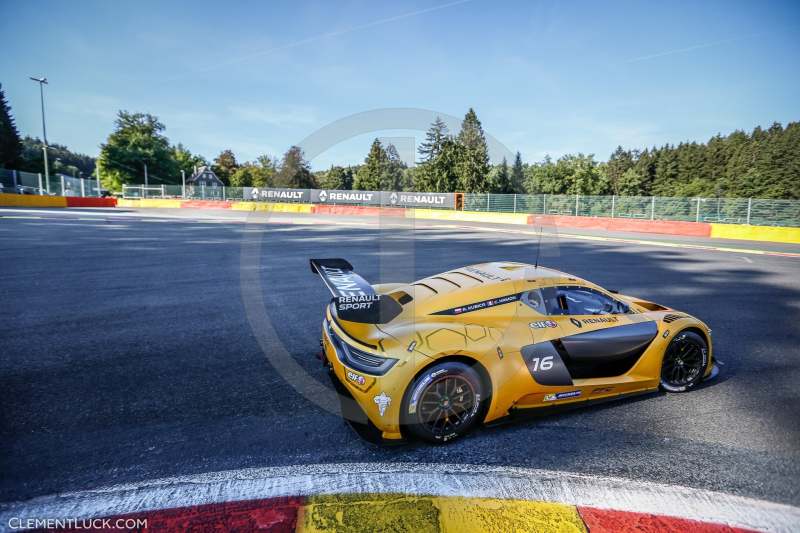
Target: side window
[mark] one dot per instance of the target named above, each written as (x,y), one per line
(544,301)
(535,301)
(576,300)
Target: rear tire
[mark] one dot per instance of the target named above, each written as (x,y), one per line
(685,361)
(444,402)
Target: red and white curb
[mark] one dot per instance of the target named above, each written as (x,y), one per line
(474,481)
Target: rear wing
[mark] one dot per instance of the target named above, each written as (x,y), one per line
(354,298)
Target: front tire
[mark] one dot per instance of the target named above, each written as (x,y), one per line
(685,361)
(444,402)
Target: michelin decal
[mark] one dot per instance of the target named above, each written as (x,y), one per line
(382,400)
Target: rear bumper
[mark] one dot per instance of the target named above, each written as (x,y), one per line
(377,397)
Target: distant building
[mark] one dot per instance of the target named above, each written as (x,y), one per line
(204,176)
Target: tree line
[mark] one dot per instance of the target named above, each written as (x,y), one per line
(764,163)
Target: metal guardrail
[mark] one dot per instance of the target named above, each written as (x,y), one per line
(754,211)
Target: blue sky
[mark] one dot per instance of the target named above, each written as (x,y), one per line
(545,77)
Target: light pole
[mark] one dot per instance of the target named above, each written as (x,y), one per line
(42,82)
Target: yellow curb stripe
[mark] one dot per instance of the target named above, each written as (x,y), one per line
(488,514)
(755,233)
(397,512)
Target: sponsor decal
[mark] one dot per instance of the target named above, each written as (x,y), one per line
(561,395)
(411,346)
(278,194)
(542,324)
(476,404)
(345,282)
(346,196)
(499,352)
(382,400)
(429,199)
(666,334)
(422,199)
(601,320)
(602,390)
(345,303)
(477,306)
(597,320)
(483,274)
(412,405)
(356,378)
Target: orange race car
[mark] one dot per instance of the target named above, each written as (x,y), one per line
(435,357)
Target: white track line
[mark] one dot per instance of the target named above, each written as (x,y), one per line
(410,478)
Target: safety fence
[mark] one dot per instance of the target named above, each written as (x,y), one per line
(20,182)
(753,211)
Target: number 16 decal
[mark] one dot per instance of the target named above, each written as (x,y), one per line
(545,364)
(541,363)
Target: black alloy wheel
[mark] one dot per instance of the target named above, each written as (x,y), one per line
(444,402)
(685,361)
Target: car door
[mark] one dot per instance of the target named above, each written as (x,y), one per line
(601,336)
(542,359)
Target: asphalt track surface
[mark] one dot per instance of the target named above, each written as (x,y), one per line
(127,354)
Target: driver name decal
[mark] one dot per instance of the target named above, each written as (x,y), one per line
(477,306)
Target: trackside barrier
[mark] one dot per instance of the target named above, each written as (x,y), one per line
(30,200)
(268,206)
(755,233)
(787,235)
(469,216)
(89,201)
(149,202)
(667,227)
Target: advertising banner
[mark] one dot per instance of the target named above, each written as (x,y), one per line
(266,194)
